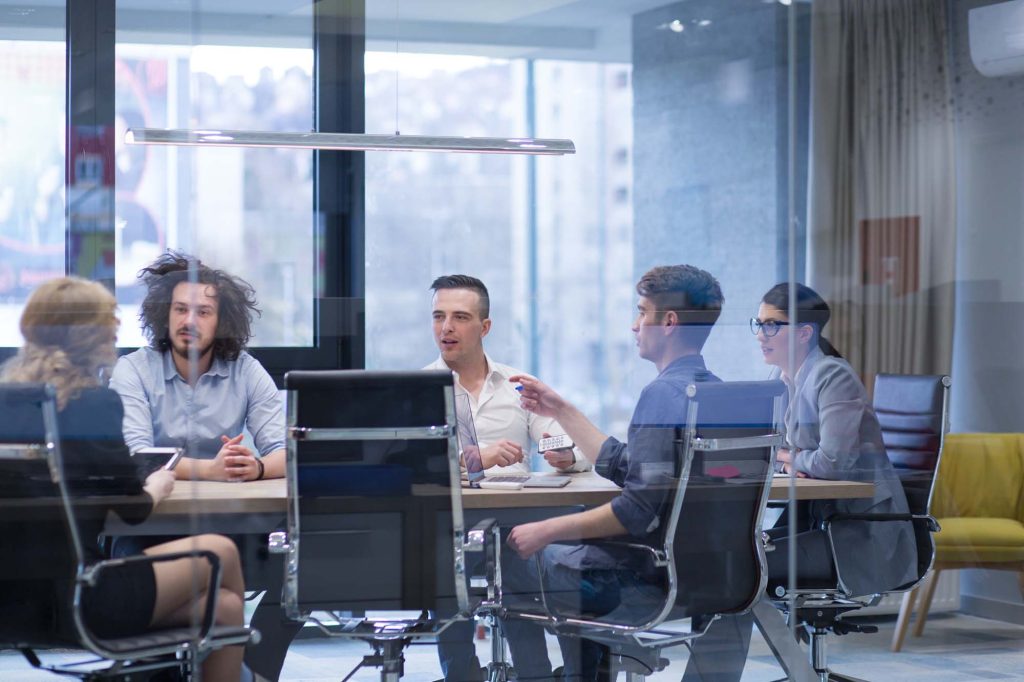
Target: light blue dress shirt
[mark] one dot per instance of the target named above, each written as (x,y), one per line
(162,410)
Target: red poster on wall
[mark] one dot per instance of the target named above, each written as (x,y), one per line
(890,253)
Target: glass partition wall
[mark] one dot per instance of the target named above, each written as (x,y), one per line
(866,155)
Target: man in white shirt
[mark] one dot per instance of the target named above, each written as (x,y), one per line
(461,309)
(461,314)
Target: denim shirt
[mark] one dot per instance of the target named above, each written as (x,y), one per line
(644,467)
(162,410)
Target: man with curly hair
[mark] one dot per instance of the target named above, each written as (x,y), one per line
(195,386)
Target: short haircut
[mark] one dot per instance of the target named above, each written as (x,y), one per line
(465,282)
(693,294)
(236,302)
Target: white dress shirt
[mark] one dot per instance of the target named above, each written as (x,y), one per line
(498,415)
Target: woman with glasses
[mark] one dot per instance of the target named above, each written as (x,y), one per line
(70,327)
(832,433)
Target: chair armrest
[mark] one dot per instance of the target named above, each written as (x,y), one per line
(660,560)
(933,525)
(90,575)
(484,538)
(476,537)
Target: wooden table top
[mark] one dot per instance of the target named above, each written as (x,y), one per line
(270,496)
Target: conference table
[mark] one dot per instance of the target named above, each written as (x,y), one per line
(225,502)
(260,507)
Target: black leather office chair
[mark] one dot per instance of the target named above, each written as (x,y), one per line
(711,554)
(913,414)
(42,580)
(913,411)
(374,508)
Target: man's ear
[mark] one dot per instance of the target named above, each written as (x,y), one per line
(669,320)
(487,327)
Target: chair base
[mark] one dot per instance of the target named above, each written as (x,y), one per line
(121,671)
(815,623)
(832,676)
(388,655)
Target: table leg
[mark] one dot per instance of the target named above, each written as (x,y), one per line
(780,640)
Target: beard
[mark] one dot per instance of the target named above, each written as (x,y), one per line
(182,349)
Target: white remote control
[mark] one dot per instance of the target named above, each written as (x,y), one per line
(500,485)
(554,443)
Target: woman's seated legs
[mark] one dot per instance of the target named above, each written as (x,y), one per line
(182,588)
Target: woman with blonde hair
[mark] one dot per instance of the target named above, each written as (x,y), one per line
(70,327)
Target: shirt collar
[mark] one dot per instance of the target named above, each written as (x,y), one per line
(695,362)
(219,367)
(493,374)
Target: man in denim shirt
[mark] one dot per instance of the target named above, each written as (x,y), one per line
(196,387)
(677,307)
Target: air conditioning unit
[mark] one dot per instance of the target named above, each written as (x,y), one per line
(996,34)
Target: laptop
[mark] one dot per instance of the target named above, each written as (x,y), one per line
(470,447)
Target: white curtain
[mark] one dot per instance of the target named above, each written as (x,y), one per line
(882,216)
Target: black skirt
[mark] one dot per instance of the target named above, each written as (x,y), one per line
(121,604)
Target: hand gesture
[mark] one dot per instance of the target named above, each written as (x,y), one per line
(234,462)
(785,457)
(560,459)
(538,397)
(503,453)
(159,485)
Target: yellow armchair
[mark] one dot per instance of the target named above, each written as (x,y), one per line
(979,502)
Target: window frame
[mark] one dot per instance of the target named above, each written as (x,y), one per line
(338,180)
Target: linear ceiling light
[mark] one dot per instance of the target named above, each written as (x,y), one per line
(349,141)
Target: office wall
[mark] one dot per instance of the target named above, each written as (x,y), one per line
(709,125)
(988,361)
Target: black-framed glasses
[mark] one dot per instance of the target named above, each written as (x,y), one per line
(769,327)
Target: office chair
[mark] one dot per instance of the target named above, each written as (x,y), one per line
(979,501)
(913,411)
(375,516)
(710,555)
(913,414)
(42,590)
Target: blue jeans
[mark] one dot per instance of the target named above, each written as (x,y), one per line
(569,591)
(457,653)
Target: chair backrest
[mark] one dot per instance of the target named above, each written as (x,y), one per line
(374,499)
(39,538)
(981,475)
(727,453)
(913,413)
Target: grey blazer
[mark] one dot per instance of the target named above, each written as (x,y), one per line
(834,434)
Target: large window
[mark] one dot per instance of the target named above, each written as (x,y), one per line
(249,211)
(32,77)
(539,232)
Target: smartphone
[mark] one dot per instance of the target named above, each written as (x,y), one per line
(154,459)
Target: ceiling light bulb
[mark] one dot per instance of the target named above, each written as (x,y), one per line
(676,26)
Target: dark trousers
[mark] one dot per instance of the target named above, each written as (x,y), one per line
(457,653)
(720,655)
